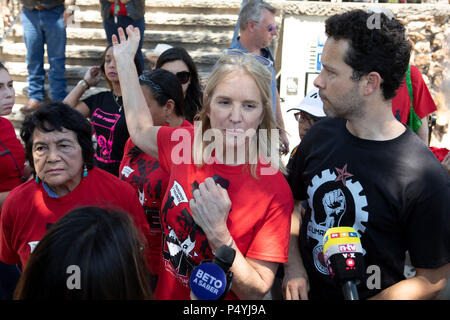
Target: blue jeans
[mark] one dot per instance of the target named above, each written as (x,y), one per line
(45,27)
(124,21)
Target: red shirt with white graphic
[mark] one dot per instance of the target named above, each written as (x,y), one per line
(149,181)
(259,220)
(29,211)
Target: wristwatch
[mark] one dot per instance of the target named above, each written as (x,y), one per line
(84,84)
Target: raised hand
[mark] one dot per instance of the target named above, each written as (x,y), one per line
(125,47)
(92,76)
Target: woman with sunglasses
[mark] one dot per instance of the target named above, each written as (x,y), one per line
(178,61)
(214,198)
(164,98)
(105,109)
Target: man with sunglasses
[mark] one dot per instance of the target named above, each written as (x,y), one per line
(257,28)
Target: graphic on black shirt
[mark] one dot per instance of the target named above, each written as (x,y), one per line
(105,140)
(335,200)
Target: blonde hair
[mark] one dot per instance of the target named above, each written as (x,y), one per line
(245,63)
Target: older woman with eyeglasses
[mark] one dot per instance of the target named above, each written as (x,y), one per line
(58,145)
(178,61)
(228,192)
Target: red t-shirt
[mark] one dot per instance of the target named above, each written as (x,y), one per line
(423,102)
(122,9)
(9,175)
(29,211)
(259,220)
(148,179)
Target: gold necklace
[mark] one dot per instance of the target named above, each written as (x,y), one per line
(116,99)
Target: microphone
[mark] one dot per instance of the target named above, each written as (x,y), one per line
(212,280)
(343,254)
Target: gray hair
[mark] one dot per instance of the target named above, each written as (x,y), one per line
(252,11)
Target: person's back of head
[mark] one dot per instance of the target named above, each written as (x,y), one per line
(252,11)
(377,42)
(89,254)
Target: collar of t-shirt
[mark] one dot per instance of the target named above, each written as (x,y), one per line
(49,191)
(265,52)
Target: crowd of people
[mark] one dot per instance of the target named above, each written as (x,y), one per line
(180,170)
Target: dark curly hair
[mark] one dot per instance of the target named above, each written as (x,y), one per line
(381,47)
(56,116)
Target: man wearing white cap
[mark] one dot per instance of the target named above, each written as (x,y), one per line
(308,112)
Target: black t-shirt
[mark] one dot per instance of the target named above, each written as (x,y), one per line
(110,130)
(395,193)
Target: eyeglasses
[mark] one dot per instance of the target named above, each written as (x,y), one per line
(266,62)
(307,117)
(271,27)
(183,76)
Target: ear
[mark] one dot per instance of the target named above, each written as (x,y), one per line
(169,108)
(371,83)
(251,25)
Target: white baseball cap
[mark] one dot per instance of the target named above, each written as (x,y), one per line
(311,104)
(156,52)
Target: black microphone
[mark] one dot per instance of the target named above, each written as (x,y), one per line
(343,254)
(212,280)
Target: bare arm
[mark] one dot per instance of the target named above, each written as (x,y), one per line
(427,284)
(422,132)
(295,282)
(137,114)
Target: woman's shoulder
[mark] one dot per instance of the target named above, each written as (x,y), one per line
(108,182)
(23,192)
(5,124)
(98,98)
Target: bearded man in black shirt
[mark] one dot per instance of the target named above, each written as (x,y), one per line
(364,169)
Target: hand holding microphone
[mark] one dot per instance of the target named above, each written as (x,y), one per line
(212,280)
(343,254)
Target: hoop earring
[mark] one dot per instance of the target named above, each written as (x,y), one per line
(85,171)
(36,178)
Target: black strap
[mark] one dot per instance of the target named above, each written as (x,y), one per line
(7,151)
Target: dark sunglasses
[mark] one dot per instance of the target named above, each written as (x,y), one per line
(271,27)
(183,76)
